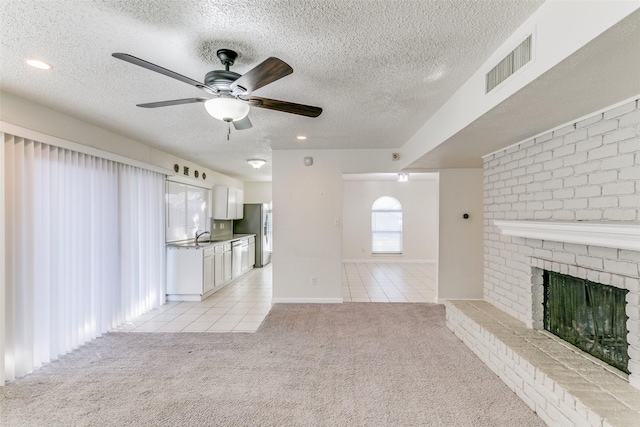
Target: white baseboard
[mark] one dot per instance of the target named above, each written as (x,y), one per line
(391,260)
(180,297)
(307,301)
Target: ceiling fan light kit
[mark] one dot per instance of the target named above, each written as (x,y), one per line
(227,109)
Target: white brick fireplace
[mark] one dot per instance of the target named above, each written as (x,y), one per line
(592,254)
(566,201)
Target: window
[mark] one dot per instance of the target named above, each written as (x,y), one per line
(187,211)
(386,226)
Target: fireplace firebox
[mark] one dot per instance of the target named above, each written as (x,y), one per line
(589,315)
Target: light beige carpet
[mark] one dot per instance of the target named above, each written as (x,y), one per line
(354,364)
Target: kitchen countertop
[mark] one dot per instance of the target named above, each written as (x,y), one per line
(190,244)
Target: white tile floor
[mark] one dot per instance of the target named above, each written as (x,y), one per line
(243,304)
(388,282)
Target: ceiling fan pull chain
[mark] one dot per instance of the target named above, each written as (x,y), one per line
(228,130)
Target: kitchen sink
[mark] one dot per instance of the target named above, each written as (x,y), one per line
(196,245)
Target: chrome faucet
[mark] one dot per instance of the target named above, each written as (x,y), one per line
(200,234)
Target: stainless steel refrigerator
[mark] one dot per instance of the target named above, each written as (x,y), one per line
(257,220)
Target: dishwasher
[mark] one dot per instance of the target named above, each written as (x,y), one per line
(236,259)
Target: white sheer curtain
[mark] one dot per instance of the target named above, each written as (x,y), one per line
(84,249)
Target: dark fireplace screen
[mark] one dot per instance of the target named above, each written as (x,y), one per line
(589,315)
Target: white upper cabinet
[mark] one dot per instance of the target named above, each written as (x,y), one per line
(239,204)
(221,202)
(227,202)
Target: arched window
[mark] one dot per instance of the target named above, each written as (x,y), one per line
(386,226)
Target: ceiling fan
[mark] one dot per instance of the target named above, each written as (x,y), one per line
(230,93)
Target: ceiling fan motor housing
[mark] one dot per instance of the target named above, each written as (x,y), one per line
(221,79)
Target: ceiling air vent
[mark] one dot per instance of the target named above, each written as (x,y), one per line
(509,65)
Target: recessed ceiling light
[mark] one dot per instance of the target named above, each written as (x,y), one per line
(301,137)
(40,65)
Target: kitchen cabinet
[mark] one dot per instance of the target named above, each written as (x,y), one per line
(218,265)
(196,271)
(228,202)
(208,270)
(226,259)
(188,274)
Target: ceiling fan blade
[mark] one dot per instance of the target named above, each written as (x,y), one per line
(287,107)
(268,71)
(173,102)
(158,69)
(242,124)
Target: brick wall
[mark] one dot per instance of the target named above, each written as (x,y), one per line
(586,171)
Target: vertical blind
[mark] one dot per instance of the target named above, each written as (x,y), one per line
(84,249)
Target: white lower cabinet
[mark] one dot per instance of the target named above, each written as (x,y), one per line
(218,266)
(208,270)
(194,273)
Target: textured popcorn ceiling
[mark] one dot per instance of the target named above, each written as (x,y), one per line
(602,73)
(379,69)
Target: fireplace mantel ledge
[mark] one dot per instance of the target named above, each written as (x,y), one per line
(608,235)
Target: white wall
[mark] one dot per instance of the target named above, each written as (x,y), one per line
(460,265)
(29,115)
(257,192)
(306,201)
(306,243)
(419,199)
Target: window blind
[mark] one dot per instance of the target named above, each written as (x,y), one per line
(84,249)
